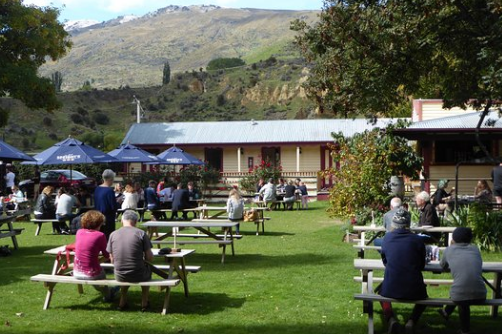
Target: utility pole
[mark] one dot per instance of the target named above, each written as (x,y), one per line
(138,109)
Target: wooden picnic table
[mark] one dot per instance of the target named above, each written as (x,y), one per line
(201,225)
(177,264)
(10,232)
(380,230)
(367,266)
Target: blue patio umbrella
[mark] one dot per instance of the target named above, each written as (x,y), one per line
(130,153)
(8,152)
(70,152)
(176,156)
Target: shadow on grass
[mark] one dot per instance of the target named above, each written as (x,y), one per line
(173,327)
(196,303)
(25,262)
(267,234)
(212,262)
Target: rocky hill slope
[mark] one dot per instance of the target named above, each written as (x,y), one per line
(131,51)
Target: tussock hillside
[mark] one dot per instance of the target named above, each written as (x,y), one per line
(132,52)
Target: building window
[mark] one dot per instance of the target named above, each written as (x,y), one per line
(459,151)
(214,158)
(271,155)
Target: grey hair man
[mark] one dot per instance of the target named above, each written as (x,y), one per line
(395,204)
(108,176)
(130,249)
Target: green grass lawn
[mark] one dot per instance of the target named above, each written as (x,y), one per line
(297,278)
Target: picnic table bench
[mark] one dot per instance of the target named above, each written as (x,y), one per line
(202,225)
(367,280)
(10,231)
(370,298)
(50,282)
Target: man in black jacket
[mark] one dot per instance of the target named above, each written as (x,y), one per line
(181,200)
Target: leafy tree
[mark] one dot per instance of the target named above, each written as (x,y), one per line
(365,163)
(369,57)
(29,35)
(101,118)
(166,73)
(222,63)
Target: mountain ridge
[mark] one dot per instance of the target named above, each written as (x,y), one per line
(115,53)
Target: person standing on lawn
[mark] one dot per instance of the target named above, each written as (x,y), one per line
(105,202)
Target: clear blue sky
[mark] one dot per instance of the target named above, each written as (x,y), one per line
(102,10)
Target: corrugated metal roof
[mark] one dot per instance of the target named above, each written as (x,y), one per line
(239,132)
(466,121)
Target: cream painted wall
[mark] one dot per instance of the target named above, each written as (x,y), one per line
(468,177)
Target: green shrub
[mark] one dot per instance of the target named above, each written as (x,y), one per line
(101,118)
(222,63)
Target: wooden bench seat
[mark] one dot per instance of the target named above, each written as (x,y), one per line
(39,222)
(201,235)
(50,282)
(8,233)
(361,249)
(193,242)
(368,300)
(427,281)
(163,267)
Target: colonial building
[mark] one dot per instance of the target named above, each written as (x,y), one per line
(447,141)
(299,146)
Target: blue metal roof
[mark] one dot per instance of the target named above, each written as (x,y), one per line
(239,132)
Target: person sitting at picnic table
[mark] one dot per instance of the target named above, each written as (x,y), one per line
(90,243)
(442,197)
(465,264)
(130,249)
(235,208)
(261,183)
(85,200)
(141,194)
(105,202)
(15,198)
(166,195)
(428,215)
(193,193)
(64,210)
(289,195)
(281,186)
(395,204)
(153,202)
(180,202)
(119,193)
(403,254)
(45,208)
(130,198)
(482,192)
(268,192)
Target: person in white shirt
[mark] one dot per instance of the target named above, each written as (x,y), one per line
(268,192)
(64,211)
(130,198)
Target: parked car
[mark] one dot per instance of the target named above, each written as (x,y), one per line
(59,178)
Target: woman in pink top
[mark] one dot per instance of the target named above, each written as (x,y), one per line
(89,244)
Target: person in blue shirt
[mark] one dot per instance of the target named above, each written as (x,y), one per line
(153,201)
(105,202)
(403,254)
